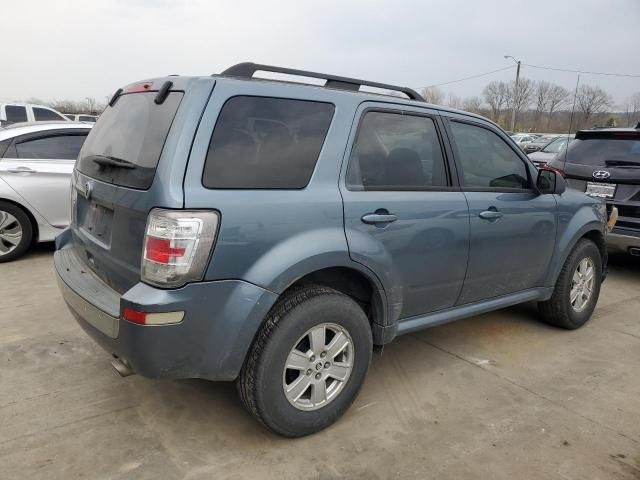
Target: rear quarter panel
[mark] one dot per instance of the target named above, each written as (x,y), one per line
(273,237)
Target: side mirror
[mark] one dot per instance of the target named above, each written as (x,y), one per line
(550,182)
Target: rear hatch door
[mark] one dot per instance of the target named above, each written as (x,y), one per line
(133,160)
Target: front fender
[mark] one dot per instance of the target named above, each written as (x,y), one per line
(576,218)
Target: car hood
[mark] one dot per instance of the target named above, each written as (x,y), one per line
(541,156)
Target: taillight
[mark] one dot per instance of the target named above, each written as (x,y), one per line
(548,166)
(177,246)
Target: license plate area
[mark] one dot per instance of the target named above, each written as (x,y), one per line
(95,220)
(601,190)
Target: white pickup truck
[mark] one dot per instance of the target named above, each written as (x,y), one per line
(28,112)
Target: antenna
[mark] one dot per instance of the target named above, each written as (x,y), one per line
(573,108)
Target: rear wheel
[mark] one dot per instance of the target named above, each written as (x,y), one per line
(308,362)
(16,232)
(577,289)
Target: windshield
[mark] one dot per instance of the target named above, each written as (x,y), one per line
(603,151)
(131,133)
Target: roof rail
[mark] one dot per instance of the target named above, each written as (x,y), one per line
(248,69)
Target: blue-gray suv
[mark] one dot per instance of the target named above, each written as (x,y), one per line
(272,232)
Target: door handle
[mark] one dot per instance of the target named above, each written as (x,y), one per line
(491,214)
(378,218)
(21,170)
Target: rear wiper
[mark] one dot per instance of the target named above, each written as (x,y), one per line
(621,163)
(107,161)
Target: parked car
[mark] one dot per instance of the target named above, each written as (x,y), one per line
(523,138)
(28,112)
(605,164)
(36,161)
(548,152)
(271,233)
(81,117)
(538,143)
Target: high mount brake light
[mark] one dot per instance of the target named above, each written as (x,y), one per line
(177,246)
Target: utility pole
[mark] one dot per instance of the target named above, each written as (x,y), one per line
(515,93)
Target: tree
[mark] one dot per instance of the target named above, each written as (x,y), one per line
(495,94)
(541,98)
(472,104)
(592,100)
(524,96)
(433,95)
(557,98)
(454,101)
(632,106)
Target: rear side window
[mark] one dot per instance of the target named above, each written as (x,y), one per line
(266,143)
(486,160)
(396,151)
(16,113)
(44,115)
(599,150)
(131,133)
(62,147)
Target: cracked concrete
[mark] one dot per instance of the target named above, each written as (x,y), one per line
(498,396)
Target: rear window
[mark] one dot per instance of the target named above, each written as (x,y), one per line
(266,143)
(605,151)
(132,132)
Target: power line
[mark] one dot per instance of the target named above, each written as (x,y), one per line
(610,74)
(582,71)
(468,78)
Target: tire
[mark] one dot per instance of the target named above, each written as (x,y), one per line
(263,378)
(14,225)
(559,310)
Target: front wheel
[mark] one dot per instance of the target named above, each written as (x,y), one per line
(577,289)
(308,362)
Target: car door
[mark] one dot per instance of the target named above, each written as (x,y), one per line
(513,227)
(39,167)
(405,218)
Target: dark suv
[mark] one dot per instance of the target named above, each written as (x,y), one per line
(268,232)
(606,164)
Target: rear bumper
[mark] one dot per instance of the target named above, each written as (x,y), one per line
(623,239)
(220,321)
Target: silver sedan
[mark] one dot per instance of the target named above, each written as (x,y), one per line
(36,163)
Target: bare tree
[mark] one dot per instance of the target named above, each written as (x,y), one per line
(524,95)
(541,98)
(592,100)
(557,98)
(472,104)
(495,94)
(433,95)
(632,106)
(454,101)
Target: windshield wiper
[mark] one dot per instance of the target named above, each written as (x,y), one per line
(621,163)
(107,161)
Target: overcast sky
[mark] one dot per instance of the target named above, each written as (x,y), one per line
(71,49)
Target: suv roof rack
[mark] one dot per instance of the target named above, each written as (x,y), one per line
(248,69)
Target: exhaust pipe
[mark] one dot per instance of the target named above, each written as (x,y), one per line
(635,251)
(122,367)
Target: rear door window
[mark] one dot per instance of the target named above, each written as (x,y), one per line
(45,115)
(15,113)
(598,150)
(59,147)
(266,143)
(131,133)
